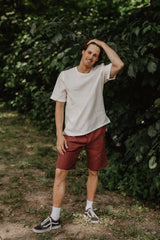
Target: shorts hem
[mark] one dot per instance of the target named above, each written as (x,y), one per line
(62,168)
(100,168)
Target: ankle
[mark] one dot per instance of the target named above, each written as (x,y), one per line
(89,204)
(55,214)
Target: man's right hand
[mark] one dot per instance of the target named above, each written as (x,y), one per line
(61,144)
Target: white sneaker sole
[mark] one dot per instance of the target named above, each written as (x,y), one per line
(46,230)
(92,221)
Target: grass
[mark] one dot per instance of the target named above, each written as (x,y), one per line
(27,165)
(11,197)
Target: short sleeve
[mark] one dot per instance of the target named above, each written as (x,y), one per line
(59,91)
(107,70)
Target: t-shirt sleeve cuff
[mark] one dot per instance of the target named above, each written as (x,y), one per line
(57,98)
(113,78)
(107,74)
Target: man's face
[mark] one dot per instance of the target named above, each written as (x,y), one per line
(90,55)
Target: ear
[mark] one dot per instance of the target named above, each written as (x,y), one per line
(83,51)
(97,59)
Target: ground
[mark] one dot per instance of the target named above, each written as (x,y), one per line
(27,164)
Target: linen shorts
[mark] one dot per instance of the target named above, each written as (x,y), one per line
(95,149)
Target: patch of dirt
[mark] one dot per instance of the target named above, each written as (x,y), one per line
(3,167)
(81,231)
(39,198)
(109,198)
(14,231)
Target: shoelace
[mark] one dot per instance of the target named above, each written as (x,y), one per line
(92,213)
(46,220)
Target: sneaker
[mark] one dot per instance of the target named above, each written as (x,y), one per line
(47,225)
(91,214)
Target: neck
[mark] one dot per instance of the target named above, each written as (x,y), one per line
(83,69)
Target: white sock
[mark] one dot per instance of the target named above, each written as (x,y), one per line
(89,204)
(55,213)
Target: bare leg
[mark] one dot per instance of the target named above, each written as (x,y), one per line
(59,187)
(92,184)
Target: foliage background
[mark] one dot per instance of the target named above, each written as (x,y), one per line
(38,40)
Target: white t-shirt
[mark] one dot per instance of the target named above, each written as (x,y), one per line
(83,94)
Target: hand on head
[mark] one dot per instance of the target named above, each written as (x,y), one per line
(96,41)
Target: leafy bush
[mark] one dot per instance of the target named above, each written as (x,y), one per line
(36,57)
(134,108)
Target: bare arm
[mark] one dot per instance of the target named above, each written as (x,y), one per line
(59,118)
(117,63)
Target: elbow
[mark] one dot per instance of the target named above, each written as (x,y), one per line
(121,65)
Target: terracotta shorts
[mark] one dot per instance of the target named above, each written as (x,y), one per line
(95,149)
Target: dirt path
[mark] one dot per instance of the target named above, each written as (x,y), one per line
(27,163)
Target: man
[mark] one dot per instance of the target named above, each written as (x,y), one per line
(81,90)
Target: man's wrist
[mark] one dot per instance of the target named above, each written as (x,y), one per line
(104,45)
(59,133)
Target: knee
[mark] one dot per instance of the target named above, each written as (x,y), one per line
(60,175)
(93,173)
